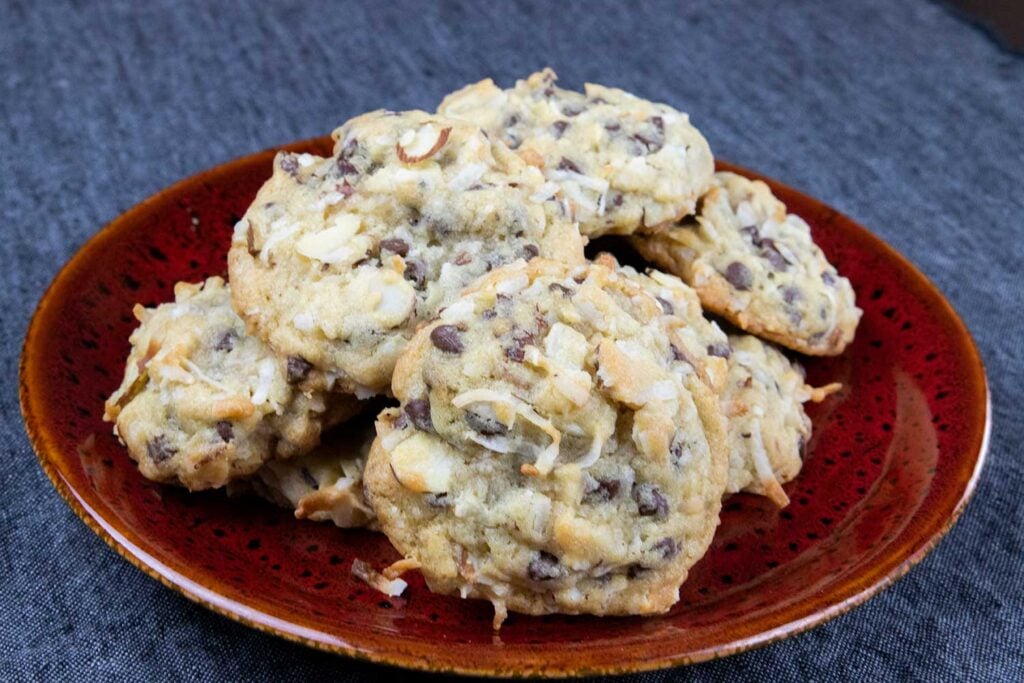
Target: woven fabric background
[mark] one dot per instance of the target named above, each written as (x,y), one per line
(896,113)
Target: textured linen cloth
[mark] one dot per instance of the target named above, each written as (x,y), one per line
(897,113)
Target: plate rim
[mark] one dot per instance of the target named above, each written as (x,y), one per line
(267,623)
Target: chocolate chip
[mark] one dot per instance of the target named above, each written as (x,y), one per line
(720,349)
(396,245)
(226,341)
(488,425)
(418,411)
(530,251)
(566,165)
(159,450)
(600,490)
(544,567)
(666,306)
(447,338)
(739,276)
(290,165)
(649,500)
(415,272)
(567,292)
(516,351)
(437,500)
(298,369)
(558,128)
(345,167)
(666,547)
(224,430)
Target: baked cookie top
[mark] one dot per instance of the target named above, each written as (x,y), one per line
(768,428)
(551,454)
(757,266)
(621,162)
(202,402)
(338,260)
(697,341)
(326,484)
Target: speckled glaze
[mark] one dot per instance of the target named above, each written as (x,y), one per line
(893,461)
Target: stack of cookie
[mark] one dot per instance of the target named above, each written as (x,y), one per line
(560,432)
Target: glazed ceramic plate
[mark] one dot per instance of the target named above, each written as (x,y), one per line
(893,460)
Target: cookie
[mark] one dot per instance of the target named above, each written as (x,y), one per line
(550,454)
(325,485)
(757,266)
(621,162)
(699,341)
(767,426)
(338,260)
(203,403)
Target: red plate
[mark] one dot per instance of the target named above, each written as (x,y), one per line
(893,461)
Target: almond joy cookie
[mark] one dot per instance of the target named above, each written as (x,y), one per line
(325,485)
(550,453)
(203,403)
(768,428)
(757,266)
(621,162)
(338,260)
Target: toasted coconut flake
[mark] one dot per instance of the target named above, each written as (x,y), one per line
(396,569)
(374,579)
(819,394)
(407,157)
(765,473)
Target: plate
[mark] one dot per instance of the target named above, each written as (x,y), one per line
(893,460)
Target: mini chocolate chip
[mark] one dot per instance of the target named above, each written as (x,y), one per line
(516,351)
(678,450)
(159,449)
(559,127)
(666,547)
(250,241)
(224,430)
(544,567)
(298,369)
(739,276)
(617,201)
(226,341)
(396,245)
(601,490)
(530,251)
(415,272)
(666,306)
(612,127)
(773,255)
(566,165)
(447,338)
(635,570)
(790,294)
(677,353)
(571,111)
(649,145)
(290,165)
(345,167)
(418,411)
(753,233)
(567,292)
(401,422)
(720,349)
(437,500)
(488,314)
(485,424)
(801,446)
(649,500)
(310,480)
(828,278)
(511,121)
(659,123)
(599,100)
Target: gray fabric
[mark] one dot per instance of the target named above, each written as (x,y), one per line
(896,113)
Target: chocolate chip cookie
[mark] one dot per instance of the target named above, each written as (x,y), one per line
(757,266)
(551,452)
(203,403)
(768,428)
(338,260)
(622,163)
